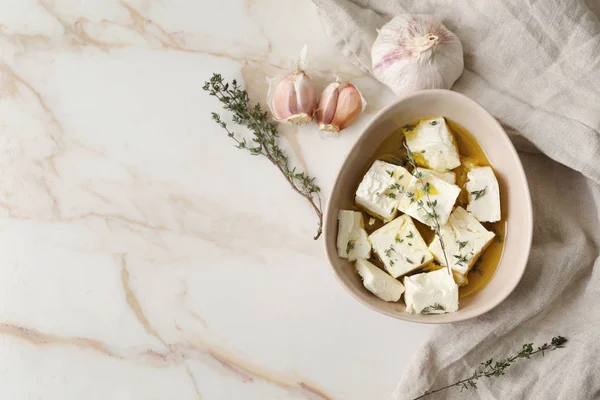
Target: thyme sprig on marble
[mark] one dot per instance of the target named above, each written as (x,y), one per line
(430,213)
(264,141)
(495,368)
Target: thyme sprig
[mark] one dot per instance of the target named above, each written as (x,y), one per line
(431,213)
(349,246)
(461,259)
(493,368)
(478,193)
(235,99)
(433,308)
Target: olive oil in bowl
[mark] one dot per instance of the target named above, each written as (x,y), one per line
(471,153)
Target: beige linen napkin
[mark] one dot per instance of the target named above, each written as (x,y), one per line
(535,65)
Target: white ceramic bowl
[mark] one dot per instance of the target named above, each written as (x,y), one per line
(513,186)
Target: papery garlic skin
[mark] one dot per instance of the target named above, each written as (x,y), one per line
(416,52)
(294,99)
(339,106)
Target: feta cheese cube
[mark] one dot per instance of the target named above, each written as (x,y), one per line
(461,280)
(431,293)
(378,282)
(432,144)
(381,189)
(484,194)
(448,176)
(417,203)
(400,247)
(464,239)
(352,241)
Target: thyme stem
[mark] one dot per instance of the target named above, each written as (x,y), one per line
(491,368)
(264,141)
(432,214)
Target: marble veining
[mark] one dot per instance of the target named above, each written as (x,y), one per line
(143,255)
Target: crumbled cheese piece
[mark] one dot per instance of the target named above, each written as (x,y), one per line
(400,247)
(352,242)
(431,293)
(371,221)
(432,144)
(464,240)
(484,194)
(418,204)
(382,188)
(448,176)
(378,282)
(461,280)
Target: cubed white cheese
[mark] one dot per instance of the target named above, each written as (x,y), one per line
(468,163)
(432,144)
(352,242)
(461,280)
(448,176)
(381,189)
(431,293)
(464,240)
(418,204)
(484,194)
(400,247)
(378,282)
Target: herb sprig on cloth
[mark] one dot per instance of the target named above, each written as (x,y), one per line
(264,143)
(493,368)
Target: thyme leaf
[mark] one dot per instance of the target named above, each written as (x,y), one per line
(349,246)
(461,259)
(478,193)
(434,307)
(388,252)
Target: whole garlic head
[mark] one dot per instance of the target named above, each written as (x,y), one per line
(339,105)
(294,99)
(415,52)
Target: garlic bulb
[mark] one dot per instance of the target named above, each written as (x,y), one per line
(339,105)
(415,52)
(292,99)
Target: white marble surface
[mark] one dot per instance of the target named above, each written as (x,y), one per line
(143,256)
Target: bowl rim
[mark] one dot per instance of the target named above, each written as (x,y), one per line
(329,214)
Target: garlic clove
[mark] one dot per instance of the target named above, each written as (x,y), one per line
(294,99)
(348,108)
(283,103)
(306,95)
(339,106)
(328,103)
